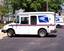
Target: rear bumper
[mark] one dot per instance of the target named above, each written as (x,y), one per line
(4,31)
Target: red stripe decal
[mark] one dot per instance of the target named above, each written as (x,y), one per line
(33,25)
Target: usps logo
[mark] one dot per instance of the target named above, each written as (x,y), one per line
(43,19)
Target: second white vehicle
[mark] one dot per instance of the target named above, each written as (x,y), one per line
(59,21)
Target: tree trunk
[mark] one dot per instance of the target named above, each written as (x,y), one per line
(1,19)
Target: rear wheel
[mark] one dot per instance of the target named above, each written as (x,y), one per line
(58,26)
(10,33)
(42,32)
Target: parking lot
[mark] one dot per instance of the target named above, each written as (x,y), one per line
(53,42)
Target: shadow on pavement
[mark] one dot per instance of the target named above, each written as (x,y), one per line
(26,36)
(29,36)
(36,36)
(52,36)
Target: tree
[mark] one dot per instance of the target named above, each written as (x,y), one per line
(28,5)
(36,5)
(3,11)
(54,5)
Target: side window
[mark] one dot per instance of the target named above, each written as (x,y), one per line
(17,19)
(33,20)
(43,19)
(24,20)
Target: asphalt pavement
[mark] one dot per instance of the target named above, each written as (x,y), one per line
(53,42)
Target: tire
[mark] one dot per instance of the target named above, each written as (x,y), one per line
(58,26)
(42,33)
(10,33)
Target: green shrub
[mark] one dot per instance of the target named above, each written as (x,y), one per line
(1,25)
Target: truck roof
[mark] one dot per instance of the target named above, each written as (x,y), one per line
(35,13)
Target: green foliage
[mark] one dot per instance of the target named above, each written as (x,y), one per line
(1,25)
(54,5)
(3,10)
(36,5)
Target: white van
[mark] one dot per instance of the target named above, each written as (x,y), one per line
(32,23)
(59,21)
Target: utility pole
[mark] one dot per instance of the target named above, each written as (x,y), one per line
(47,5)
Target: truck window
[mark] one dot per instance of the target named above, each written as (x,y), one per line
(17,19)
(43,19)
(33,20)
(24,20)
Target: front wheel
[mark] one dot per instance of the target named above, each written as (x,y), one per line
(42,32)
(10,33)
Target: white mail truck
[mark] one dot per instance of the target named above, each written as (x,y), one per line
(32,23)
